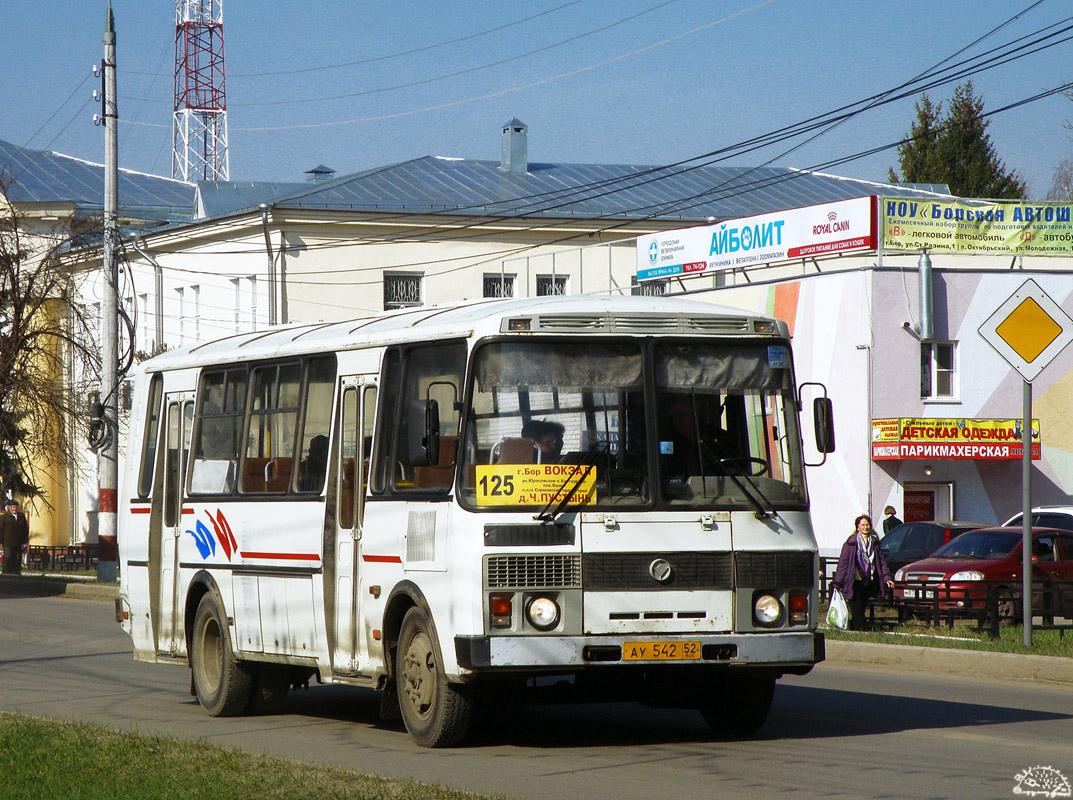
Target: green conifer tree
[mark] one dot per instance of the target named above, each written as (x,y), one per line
(956,149)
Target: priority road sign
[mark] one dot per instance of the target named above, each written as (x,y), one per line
(1028,330)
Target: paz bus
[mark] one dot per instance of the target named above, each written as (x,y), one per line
(558,498)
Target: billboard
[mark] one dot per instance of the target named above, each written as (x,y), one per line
(1008,227)
(977,439)
(820,230)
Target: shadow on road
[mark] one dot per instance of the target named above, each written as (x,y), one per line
(798,713)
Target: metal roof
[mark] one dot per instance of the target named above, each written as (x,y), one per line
(434,184)
(220,198)
(46,177)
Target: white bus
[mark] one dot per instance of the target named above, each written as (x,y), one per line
(569,497)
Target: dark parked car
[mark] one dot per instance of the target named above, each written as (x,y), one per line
(912,541)
(959,574)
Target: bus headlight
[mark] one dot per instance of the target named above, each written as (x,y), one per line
(767,610)
(543,613)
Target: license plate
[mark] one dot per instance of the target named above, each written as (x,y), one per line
(661,651)
(925,594)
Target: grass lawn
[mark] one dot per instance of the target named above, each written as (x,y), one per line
(42,758)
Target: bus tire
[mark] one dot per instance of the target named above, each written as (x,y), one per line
(738,705)
(222,684)
(436,713)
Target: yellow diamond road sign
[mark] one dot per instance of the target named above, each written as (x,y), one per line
(1028,330)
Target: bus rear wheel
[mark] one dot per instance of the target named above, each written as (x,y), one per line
(222,684)
(436,713)
(738,705)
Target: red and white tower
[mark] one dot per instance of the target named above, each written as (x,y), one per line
(199,123)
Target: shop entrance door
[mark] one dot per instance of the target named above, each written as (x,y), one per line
(924,501)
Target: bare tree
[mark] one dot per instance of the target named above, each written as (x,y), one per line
(47,357)
(1062,182)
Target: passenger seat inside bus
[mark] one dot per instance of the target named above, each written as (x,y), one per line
(514,450)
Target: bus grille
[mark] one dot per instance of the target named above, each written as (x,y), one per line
(633,571)
(784,570)
(562,571)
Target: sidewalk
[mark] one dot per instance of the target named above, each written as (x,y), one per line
(952,662)
(905,658)
(56,585)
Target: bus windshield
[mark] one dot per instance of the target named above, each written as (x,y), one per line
(611,423)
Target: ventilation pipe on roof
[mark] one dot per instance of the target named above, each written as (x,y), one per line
(927,326)
(515,156)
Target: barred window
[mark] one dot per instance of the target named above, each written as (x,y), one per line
(402,289)
(551,284)
(499,285)
(650,288)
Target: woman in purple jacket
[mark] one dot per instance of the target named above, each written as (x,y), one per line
(862,572)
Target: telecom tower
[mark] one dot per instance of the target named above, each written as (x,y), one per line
(199,123)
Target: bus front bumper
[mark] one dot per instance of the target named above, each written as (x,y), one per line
(788,651)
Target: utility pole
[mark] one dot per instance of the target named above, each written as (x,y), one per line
(108,464)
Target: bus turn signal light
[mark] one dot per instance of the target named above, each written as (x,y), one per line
(502,608)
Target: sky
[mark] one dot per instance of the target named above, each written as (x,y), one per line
(359,84)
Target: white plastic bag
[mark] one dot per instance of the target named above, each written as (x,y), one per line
(838,613)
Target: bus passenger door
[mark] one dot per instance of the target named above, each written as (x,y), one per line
(356,412)
(179,421)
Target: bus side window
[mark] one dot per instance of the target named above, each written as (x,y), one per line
(348,459)
(320,384)
(273,423)
(410,379)
(221,407)
(152,435)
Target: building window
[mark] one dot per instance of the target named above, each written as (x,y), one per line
(938,370)
(180,302)
(252,280)
(195,296)
(143,323)
(499,285)
(402,289)
(236,292)
(551,284)
(650,288)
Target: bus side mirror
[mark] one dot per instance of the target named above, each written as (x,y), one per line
(823,419)
(424,432)
(432,431)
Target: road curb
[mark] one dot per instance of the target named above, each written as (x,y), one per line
(49,586)
(944,661)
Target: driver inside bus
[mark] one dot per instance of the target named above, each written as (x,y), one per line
(547,436)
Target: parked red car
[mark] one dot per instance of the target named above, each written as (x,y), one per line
(959,573)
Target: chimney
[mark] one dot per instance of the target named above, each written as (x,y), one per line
(515,156)
(319,174)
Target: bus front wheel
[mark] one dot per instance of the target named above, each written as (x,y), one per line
(222,684)
(738,704)
(436,713)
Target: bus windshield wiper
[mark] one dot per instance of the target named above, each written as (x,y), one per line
(761,511)
(589,463)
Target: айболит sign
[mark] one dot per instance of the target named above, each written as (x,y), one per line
(818,230)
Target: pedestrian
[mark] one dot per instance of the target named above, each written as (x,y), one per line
(15,534)
(890,521)
(862,572)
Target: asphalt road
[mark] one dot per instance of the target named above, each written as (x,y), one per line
(840,732)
